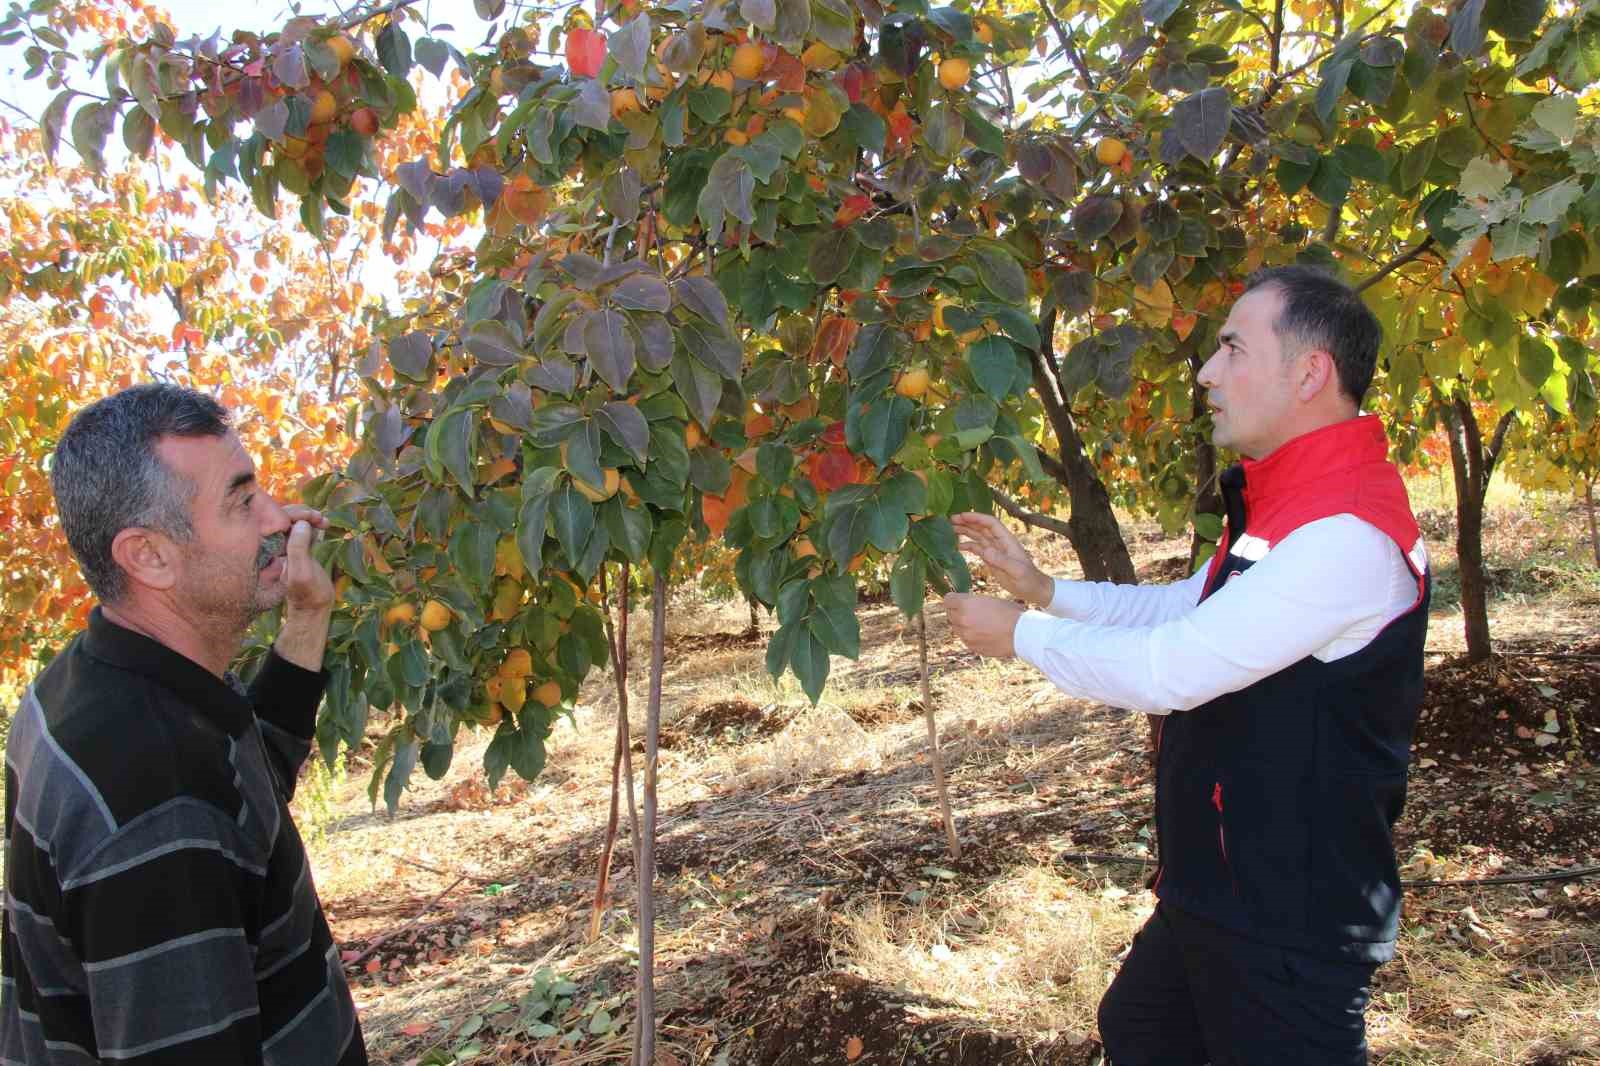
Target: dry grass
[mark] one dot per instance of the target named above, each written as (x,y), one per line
(1030,952)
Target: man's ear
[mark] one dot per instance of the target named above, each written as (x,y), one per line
(147,557)
(1317,374)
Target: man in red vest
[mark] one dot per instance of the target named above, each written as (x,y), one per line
(1288,672)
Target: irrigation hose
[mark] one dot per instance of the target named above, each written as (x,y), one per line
(1502,879)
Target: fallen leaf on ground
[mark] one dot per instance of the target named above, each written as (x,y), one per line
(853,1049)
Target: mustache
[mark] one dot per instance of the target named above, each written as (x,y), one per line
(271,548)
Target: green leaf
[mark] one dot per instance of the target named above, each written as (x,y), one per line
(405,761)
(394,50)
(1484,178)
(993,362)
(449,445)
(774,462)
(906,491)
(875,349)
(1001,274)
(908,581)
(865,128)
(624,423)
(1096,216)
(574,520)
(830,255)
(1201,121)
(1330,183)
(471,549)
(531,529)
(809,661)
(714,347)
(1557,115)
(884,426)
(887,524)
(847,533)
(608,340)
(710,104)
(699,385)
(410,354)
(493,343)
(629,527)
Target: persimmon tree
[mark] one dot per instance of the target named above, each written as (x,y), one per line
(809,276)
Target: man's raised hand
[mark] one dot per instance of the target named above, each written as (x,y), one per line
(1003,553)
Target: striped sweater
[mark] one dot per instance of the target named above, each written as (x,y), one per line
(158,904)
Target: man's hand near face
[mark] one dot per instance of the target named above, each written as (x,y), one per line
(308,593)
(983,623)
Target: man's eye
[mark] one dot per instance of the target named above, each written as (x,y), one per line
(248,500)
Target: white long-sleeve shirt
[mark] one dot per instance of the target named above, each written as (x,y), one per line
(1325,590)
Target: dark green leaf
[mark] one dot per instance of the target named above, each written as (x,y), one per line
(574,520)
(610,347)
(1201,121)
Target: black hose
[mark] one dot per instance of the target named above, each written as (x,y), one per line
(1501,879)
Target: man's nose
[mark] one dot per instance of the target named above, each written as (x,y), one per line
(274,518)
(1205,378)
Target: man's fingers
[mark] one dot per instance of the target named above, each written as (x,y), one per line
(300,539)
(299,512)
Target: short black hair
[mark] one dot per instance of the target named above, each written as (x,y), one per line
(1320,311)
(107,477)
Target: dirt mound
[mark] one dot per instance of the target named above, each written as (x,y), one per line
(1164,571)
(729,721)
(1498,710)
(1503,760)
(689,643)
(838,1017)
(884,711)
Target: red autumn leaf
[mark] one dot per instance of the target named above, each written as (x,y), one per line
(833,469)
(416,1028)
(586,52)
(834,434)
(786,70)
(834,339)
(853,1048)
(852,208)
(853,83)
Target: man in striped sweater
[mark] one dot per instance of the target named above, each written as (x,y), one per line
(159,906)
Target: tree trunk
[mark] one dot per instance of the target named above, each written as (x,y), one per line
(1594,530)
(645,1029)
(1093,531)
(1208,496)
(934,753)
(1472,464)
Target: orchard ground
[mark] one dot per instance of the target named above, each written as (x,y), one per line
(809,911)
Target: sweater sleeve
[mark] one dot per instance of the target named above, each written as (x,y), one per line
(158,917)
(285,698)
(1293,603)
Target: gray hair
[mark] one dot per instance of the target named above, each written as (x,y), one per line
(107,477)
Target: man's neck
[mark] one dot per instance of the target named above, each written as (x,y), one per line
(212,648)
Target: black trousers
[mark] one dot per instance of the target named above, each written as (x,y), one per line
(1190,993)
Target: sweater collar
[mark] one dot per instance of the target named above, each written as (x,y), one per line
(219,699)
(1333,448)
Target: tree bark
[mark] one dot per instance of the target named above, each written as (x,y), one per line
(645,1030)
(1092,527)
(933,741)
(621,758)
(1594,529)
(1472,463)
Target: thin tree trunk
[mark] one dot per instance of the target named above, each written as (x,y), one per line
(1472,465)
(933,740)
(1093,531)
(755,619)
(621,759)
(645,1042)
(1594,530)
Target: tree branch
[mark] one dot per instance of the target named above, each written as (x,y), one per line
(1277,36)
(1495,444)
(1397,263)
(388,9)
(1066,43)
(1030,518)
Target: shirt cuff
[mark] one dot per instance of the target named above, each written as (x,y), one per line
(1064,599)
(288,695)
(1031,635)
